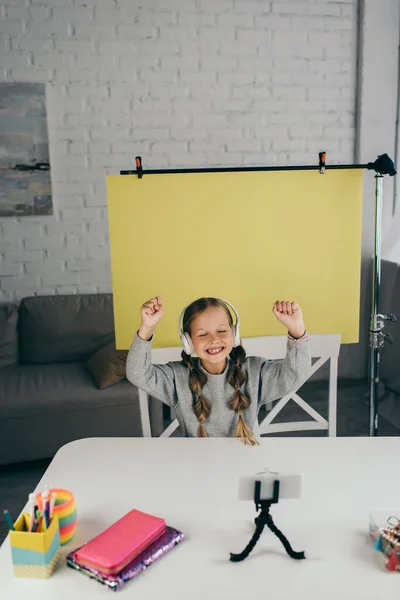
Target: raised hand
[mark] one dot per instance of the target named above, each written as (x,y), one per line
(151,312)
(290,315)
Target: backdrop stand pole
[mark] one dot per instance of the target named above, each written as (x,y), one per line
(377,336)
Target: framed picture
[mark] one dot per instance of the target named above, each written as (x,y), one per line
(25,183)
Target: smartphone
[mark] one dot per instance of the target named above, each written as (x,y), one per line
(290,485)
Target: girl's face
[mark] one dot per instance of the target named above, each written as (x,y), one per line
(212,338)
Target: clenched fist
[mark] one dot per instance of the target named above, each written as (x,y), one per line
(151,312)
(290,315)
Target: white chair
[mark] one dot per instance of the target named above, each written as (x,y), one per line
(323,346)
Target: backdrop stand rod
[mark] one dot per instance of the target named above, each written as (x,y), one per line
(243,169)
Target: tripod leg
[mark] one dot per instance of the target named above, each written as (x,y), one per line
(256,536)
(285,542)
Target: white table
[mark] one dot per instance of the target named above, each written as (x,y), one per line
(193,483)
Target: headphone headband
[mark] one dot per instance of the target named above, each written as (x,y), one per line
(180,321)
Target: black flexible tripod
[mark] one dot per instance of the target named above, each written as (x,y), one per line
(264,518)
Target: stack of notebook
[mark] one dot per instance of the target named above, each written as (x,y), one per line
(124,549)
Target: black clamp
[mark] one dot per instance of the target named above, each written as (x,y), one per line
(139,168)
(383,165)
(260,504)
(322,158)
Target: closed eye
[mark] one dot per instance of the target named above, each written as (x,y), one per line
(205,334)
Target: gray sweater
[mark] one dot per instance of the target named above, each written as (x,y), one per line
(266,381)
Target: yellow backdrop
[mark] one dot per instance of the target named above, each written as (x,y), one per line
(251,238)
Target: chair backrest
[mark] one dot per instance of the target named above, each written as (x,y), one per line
(323,346)
(270,347)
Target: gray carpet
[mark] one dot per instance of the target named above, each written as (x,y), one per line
(17,481)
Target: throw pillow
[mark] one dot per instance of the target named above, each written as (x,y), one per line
(108,365)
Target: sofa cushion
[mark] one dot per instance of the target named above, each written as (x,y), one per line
(55,329)
(8,335)
(28,390)
(389,273)
(390,354)
(108,365)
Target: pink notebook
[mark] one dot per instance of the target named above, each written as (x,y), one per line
(152,554)
(119,544)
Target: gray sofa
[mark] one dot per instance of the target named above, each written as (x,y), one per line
(390,303)
(48,397)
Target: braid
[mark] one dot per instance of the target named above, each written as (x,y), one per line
(197,380)
(240,402)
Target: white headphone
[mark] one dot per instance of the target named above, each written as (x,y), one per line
(187,340)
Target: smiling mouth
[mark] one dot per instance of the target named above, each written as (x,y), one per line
(214,350)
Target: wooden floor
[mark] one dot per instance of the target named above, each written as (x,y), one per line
(18,480)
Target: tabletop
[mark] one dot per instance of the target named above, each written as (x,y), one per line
(193,484)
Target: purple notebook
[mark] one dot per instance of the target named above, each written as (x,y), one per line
(163,544)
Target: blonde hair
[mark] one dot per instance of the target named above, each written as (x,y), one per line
(236,375)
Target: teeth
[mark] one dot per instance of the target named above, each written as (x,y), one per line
(215,351)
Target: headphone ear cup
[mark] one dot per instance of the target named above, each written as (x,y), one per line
(236,335)
(187,343)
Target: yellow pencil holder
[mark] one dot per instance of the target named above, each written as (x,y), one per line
(34,555)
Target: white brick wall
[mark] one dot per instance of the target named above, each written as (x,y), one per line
(183,83)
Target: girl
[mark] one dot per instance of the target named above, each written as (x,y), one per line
(216,390)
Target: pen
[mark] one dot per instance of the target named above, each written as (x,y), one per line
(39,527)
(9,520)
(32,509)
(36,524)
(46,506)
(52,502)
(47,513)
(35,510)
